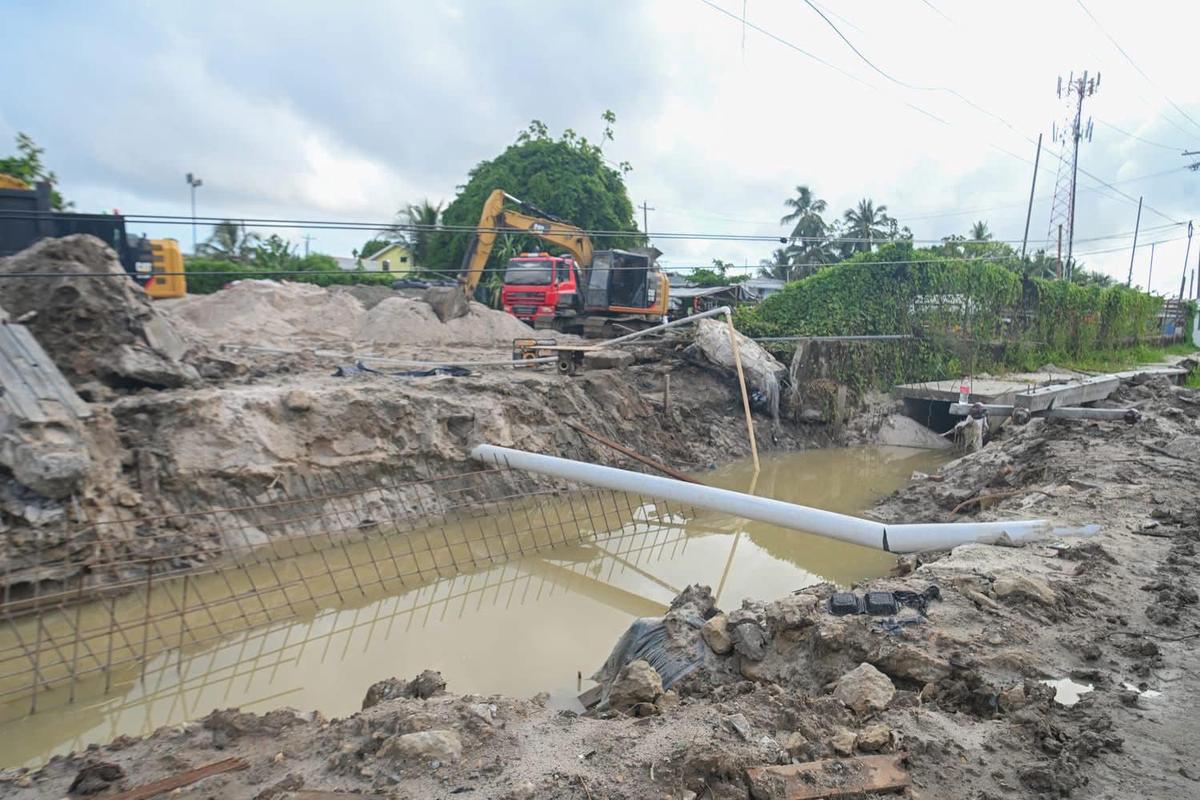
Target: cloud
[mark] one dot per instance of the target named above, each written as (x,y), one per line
(306,109)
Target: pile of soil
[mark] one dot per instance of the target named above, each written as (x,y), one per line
(284,314)
(399,320)
(97,329)
(270,313)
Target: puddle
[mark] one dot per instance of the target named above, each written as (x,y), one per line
(1067,691)
(527,625)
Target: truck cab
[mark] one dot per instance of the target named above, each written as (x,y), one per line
(539,287)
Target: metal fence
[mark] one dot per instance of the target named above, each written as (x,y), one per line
(132,590)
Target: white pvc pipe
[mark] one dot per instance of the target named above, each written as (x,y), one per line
(712,312)
(843,527)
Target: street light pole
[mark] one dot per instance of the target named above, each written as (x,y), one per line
(195,183)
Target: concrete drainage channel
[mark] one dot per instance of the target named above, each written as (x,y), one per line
(312,619)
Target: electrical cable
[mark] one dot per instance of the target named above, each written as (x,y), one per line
(1134,64)
(1140,138)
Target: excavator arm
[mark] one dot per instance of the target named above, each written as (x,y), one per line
(496,216)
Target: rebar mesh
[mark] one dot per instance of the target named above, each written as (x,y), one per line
(186,578)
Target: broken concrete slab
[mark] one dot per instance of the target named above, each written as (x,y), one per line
(830,778)
(1073,393)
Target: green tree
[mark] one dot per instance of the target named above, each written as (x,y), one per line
(568,177)
(980,232)
(416,226)
(27,166)
(371,247)
(805,215)
(229,241)
(867,224)
(274,253)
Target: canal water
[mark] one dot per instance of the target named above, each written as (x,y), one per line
(528,624)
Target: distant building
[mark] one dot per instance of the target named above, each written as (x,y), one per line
(393,258)
(762,288)
(348,264)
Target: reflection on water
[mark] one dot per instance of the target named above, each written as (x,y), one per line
(527,624)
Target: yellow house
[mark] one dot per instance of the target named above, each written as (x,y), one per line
(393,258)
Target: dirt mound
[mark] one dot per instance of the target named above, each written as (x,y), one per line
(270,313)
(399,320)
(95,328)
(284,314)
(370,295)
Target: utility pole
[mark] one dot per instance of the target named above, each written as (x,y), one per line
(1058,265)
(1136,225)
(1186,253)
(1150,275)
(646,218)
(1062,209)
(308,237)
(195,183)
(1033,185)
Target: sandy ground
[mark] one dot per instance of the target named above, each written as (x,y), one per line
(961,692)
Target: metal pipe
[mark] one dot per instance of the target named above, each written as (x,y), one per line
(843,527)
(1069,412)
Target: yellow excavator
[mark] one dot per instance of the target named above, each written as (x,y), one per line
(26,216)
(590,292)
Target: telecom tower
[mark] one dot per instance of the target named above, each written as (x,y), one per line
(1068,133)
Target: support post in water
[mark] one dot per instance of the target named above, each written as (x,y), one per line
(737,360)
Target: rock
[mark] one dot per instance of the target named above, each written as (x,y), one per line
(864,689)
(1023,587)
(746,632)
(424,686)
(796,745)
(668,701)
(435,745)
(716,635)
(427,684)
(448,302)
(1013,698)
(1185,447)
(95,778)
(50,469)
(874,738)
(913,664)
(298,400)
(293,782)
(637,682)
(608,359)
(739,725)
(791,612)
(144,366)
(525,790)
(843,742)
(757,671)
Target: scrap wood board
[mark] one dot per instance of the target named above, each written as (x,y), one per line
(832,777)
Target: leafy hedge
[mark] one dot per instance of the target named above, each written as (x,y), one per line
(318,269)
(970,315)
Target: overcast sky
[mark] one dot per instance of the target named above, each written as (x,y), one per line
(349,110)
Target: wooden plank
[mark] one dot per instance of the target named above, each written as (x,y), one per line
(1068,394)
(178,781)
(831,778)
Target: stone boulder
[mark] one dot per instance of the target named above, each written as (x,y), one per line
(448,302)
(716,635)
(865,689)
(435,745)
(638,682)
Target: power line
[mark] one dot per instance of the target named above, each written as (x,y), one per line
(940,13)
(1134,64)
(1141,139)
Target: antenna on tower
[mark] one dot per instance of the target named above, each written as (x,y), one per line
(1062,208)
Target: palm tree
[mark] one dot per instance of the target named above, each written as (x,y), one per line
(415,227)
(867,223)
(229,241)
(805,216)
(980,232)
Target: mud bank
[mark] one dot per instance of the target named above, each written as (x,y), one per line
(207,405)
(960,691)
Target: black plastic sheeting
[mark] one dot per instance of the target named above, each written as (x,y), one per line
(646,639)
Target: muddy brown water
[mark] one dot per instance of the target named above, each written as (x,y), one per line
(525,625)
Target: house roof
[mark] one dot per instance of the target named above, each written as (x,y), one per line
(394,247)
